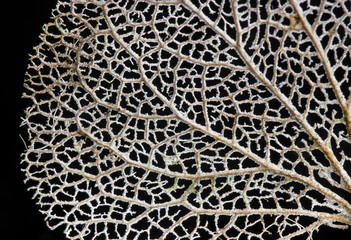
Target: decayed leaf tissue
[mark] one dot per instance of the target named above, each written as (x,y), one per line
(191,119)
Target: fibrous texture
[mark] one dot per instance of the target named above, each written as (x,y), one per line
(191,119)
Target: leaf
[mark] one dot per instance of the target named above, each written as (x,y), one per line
(191,119)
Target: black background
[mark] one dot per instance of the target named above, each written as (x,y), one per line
(21,24)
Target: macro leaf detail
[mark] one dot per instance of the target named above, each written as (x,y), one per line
(191,119)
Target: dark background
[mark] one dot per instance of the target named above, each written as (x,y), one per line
(21,24)
(20,27)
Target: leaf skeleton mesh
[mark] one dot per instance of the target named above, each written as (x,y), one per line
(191,119)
